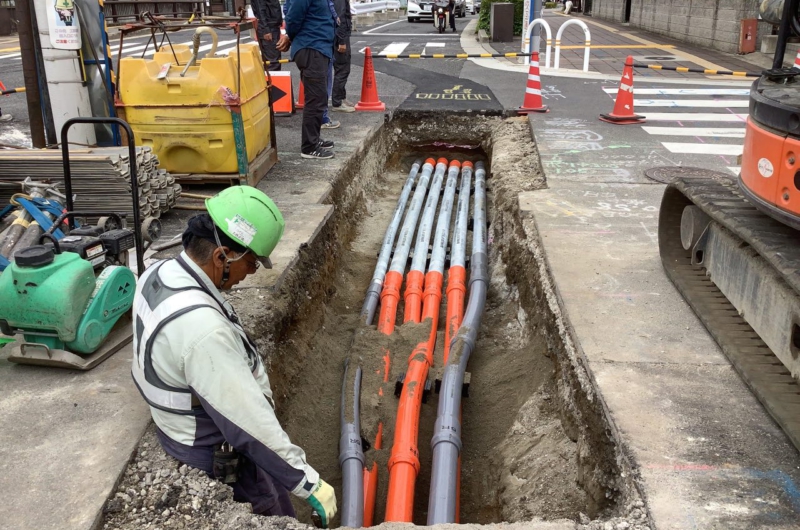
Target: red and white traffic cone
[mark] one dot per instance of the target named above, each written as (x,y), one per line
(796,65)
(369,87)
(533,90)
(623,107)
(301,97)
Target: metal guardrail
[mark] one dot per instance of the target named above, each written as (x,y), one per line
(360,8)
(119,12)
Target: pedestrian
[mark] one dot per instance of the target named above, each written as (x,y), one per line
(342,57)
(327,122)
(270,18)
(309,36)
(200,372)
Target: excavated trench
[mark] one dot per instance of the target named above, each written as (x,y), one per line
(537,444)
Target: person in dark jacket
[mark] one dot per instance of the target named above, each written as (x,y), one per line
(341,57)
(270,18)
(309,37)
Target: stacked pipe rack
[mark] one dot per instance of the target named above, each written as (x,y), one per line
(422,300)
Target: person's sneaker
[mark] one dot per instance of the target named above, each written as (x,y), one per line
(318,153)
(325,144)
(344,107)
(333,124)
(5,117)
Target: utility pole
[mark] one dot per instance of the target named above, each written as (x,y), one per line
(29,72)
(536,12)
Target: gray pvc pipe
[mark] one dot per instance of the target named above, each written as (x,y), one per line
(351,453)
(426,224)
(374,292)
(446,441)
(458,250)
(403,246)
(443,222)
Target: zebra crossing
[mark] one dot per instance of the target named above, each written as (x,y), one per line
(715,129)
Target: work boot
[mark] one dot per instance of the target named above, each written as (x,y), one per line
(325,144)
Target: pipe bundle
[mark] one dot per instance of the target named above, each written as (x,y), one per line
(422,299)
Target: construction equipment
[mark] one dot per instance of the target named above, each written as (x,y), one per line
(732,248)
(67,299)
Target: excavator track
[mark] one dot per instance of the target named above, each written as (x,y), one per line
(768,244)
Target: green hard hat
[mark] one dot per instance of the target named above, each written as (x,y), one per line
(249,217)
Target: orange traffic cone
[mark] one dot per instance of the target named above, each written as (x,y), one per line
(3,87)
(301,97)
(623,107)
(797,60)
(533,90)
(369,87)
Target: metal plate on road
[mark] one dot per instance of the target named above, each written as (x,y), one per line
(667,174)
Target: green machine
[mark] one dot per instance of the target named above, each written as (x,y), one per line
(67,300)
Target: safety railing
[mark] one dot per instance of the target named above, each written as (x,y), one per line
(587,43)
(126,11)
(360,8)
(528,42)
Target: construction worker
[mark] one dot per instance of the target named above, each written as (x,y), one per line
(270,19)
(201,374)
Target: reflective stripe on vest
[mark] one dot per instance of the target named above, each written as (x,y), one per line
(149,321)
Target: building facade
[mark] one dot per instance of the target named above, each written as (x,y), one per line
(709,23)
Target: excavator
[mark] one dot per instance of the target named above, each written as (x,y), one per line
(732,246)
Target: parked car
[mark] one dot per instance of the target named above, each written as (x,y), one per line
(473,6)
(421,10)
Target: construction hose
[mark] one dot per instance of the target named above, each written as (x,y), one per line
(196,46)
(374,291)
(351,452)
(446,442)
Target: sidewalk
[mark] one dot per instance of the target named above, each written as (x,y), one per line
(611,43)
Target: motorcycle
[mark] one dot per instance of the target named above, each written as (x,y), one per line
(441,14)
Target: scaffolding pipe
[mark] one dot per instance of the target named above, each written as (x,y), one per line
(404,460)
(446,442)
(374,291)
(416,274)
(351,452)
(390,295)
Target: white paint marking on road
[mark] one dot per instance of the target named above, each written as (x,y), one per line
(369,31)
(704,149)
(707,103)
(10,56)
(395,48)
(721,132)
(685,91)
(435,45)
(695,116)
(392,35)
(735,170)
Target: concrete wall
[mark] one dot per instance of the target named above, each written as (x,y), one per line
(709,23)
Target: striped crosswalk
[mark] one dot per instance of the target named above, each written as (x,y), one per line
(705,122)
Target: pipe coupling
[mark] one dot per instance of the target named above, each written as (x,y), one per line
(350,445)
(448,430)
(479,268)
(408,455)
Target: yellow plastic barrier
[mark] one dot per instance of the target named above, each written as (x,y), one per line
(186,120)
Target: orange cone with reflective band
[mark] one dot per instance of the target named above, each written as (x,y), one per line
(369,87)
(797,60)
(533,90)
(623,107)
(301,97)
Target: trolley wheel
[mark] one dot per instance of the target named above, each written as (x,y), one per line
(108,223)
(151,229)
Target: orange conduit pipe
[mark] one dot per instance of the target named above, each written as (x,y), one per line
(404,460)
(390,296)
(416,275)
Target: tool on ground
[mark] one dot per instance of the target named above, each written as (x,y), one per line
(732,246)
(369,87)
(67,299)
(623,106)
(533,90)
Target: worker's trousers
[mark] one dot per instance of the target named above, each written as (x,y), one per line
(270,52)
(341,71)
(313,66)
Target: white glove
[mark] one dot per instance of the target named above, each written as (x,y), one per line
(323,501)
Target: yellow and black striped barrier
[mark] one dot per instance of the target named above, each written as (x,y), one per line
(433,56)
(684,69)
(12,91)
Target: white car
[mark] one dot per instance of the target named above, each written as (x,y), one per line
(423,10)
(473,6)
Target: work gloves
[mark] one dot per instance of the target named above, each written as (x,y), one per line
(323,502)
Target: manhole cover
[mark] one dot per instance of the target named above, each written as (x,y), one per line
(660,58)
(667,174)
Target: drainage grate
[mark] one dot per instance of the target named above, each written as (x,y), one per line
(667,174)
(659,58)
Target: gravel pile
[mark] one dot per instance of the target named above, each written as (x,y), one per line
(158,492)
(635,519)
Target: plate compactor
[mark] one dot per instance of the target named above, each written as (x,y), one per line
(67,301)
